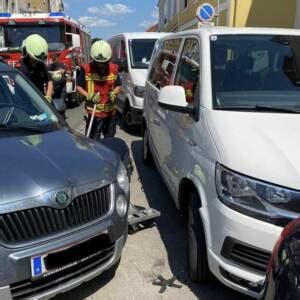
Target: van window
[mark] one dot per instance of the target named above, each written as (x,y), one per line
(256,70)
(188,69)
(164,63)
(140,52)
(115,46)
(123,50)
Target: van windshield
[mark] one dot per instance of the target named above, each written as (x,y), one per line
(250,71)
(140,52)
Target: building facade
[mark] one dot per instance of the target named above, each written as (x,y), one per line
(21,6)
(177,15)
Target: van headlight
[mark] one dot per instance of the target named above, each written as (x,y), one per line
(255,198)
(139,91)
(122,178)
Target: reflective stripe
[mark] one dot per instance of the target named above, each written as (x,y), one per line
(96,77)
(90,85)
(108,107)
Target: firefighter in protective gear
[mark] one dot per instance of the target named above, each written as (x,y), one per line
(100,85)
(32,65)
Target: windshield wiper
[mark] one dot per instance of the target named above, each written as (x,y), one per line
(276,109)
(260,108)
(24,128)
(9,49)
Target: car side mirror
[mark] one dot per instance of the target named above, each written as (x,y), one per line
(123,64)
(172,97)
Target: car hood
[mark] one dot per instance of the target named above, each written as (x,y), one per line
(139,76)
(261,145)
(34,165)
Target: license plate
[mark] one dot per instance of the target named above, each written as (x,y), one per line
(53,262)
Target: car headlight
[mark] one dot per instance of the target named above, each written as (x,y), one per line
(121,205)
(255,198)
(122,178)
(139,91)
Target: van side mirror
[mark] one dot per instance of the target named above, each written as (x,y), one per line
(172,97)
(123,64)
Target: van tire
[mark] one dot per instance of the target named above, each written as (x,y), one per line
(147,155)
(198,268)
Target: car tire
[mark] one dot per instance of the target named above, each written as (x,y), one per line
(198,268)
(147,155)
(126,118)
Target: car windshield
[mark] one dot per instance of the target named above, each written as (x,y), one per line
(140,52)
(22,107)
(256,71)
(14,35)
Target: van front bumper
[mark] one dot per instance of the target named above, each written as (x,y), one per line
(18,264)
(238,248)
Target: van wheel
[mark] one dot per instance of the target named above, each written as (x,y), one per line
(127,117)
(197,252)
(147,155)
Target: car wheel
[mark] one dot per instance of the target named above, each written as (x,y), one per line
(147,155)
(127,117)
(197,252)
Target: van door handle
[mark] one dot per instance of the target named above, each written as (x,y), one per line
(156,122)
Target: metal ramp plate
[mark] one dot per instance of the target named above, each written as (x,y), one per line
(140,218)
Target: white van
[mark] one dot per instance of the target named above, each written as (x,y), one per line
(222,123)
(132,52)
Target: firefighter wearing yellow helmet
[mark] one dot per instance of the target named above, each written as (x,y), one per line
(32,65)
(99,83)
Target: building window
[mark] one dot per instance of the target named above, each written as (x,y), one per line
(185,3)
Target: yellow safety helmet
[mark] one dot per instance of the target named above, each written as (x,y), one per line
(101,51)
(36,47)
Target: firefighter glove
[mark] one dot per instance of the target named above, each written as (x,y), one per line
(112,96)
(93,97)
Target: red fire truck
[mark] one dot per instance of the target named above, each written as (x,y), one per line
(67,39)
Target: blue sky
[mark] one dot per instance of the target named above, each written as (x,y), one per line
(106,18)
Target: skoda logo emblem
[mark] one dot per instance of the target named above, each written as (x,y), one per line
(61,198)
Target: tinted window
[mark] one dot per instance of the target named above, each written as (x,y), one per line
(256,70)
(123,50)
(188,69)
(115,46)
(141,52)
(164,63)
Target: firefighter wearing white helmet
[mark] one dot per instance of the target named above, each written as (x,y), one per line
(100,84)
(32,65)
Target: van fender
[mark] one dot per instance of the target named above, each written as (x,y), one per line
(196,179)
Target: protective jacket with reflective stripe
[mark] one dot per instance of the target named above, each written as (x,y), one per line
(102,84)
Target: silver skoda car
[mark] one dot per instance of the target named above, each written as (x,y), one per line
(63,198)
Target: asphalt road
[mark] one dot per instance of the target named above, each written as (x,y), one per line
(151,252)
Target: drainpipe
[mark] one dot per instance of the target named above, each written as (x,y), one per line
(218,12)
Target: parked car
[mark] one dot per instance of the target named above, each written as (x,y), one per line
(221,122)
(283,276)
(63,198)
(132,52)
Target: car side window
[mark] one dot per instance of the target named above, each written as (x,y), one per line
(189,69)
(164,63)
